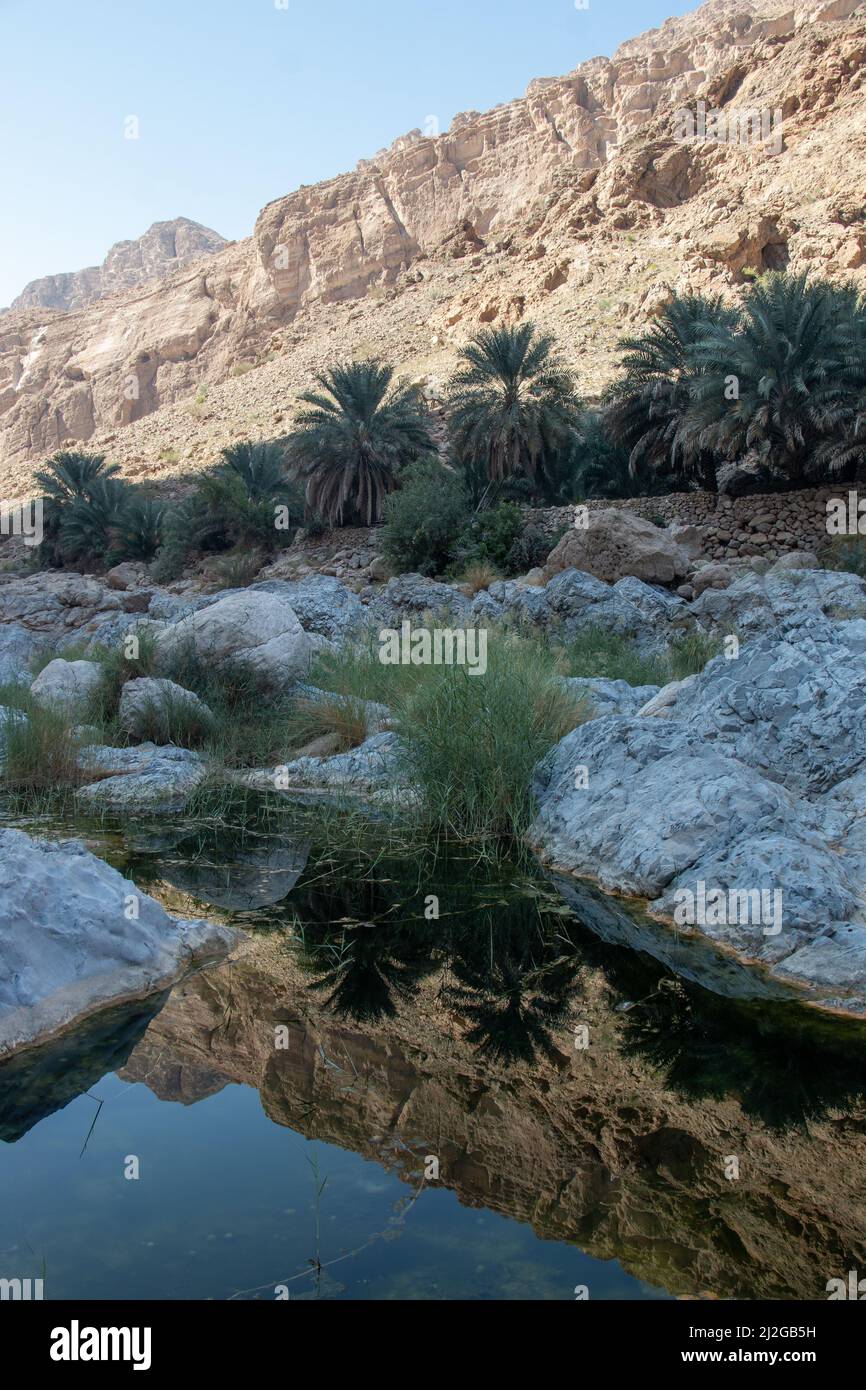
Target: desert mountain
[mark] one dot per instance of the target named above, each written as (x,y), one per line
(583,204)
(164,247)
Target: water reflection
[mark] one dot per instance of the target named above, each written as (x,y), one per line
(438,1006)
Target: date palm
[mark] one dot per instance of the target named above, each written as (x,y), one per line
(645,409)
(82,498)
(356,434)
(782,385)
(512,409)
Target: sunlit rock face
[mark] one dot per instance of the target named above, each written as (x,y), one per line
(733,806)
(163,248)
(579,204)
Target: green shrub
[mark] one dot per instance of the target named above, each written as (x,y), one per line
(472,741)
(425,519)
(500,538)
(40,750)
(606,654)
(845,553)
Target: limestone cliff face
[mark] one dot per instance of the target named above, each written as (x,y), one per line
(164,247)
(578,204)
(592,1147)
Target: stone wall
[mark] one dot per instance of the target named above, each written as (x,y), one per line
(769,525)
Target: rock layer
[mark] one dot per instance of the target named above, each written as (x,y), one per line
(579,204)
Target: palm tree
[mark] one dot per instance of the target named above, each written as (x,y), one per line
(646,408)
(82,498)
(513,408)
(843,450)
(260,466)
(781,387)
(357,434)
(140,529)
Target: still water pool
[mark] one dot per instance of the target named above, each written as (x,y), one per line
(374,1102)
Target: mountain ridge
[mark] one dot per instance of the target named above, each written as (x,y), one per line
(127,264)
(576,205)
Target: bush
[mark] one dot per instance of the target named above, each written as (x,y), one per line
(40,750)
(847,554)
(425,519)
(499,538)
(234,504)
(473,740)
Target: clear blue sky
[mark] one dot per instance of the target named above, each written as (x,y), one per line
(240,101)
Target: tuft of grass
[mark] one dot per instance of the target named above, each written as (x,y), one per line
(40,751)
(357,673)
(174,721)
(74,651)
(238,569)
(605,654)
(473,740)
(689,655)
(845,553)
(117,669)
(344,718)
(479,576)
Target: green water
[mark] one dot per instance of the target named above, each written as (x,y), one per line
(390,1095)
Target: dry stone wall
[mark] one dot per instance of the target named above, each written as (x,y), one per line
(767,525)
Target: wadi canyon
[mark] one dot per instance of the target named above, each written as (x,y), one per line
(578,204)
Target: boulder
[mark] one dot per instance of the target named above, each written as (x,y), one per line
(146,778)
(67,686)
(71,944)
(781,601)
(18,647)
(573,603)
(321,604)
(617,544)
(125,576)
(254,630)
(752,781)
(411,596)
(797,560)
(610,696)
(375,766)
(715,576)
(149,701)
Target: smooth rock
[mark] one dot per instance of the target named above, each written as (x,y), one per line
(68,946)
(258,631)
(146,778)
(149,701)
(67,686)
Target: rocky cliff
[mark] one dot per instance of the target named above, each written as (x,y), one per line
(164,248)
(584,204)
